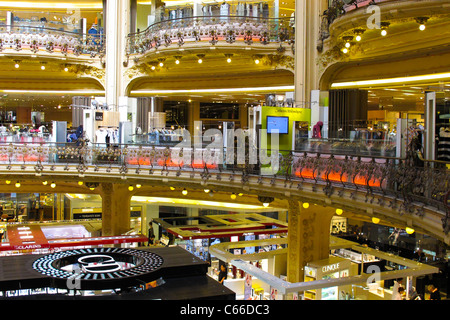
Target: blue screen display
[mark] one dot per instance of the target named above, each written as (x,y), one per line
(278,123)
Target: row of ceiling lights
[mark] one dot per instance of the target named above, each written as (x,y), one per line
(184,192)
(384,27)
(200,57)
(43,65)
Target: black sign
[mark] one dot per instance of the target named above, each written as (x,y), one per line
(99,116)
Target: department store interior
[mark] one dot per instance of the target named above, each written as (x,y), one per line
(389,118)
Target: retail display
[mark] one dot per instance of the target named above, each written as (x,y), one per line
(443,148)
(331,268)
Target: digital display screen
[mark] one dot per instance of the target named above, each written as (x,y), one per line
(277,124)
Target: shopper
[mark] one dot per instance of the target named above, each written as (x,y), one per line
(223,273)
(395,290)
(434,292)
(151,233)
(401,294)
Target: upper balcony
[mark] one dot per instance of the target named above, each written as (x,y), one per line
(391,37)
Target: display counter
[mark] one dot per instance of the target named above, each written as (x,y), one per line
(331,268)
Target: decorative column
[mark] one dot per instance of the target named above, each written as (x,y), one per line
(308,237)
(307,26)
(117,27)
(116,201)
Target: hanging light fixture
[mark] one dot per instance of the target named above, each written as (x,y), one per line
(359,33)
(347,40)
(53,185)
(384,27)
(228,56)
(184,192)
(17,184)
(200,58)
(422,21)
(266,201)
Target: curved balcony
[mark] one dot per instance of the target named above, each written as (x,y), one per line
(226,30)
(388,188)
(35,40)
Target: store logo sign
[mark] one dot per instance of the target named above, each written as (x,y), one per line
(331,267)
(98,263)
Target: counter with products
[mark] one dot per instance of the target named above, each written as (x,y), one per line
(331,268)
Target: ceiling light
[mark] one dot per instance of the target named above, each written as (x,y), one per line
(184,192)
(80,183)
(53,185)
(422,21)
(206,190)
(42,66)
(130,188)
(45,182)
(384,27)
(359,33)
(66,69)
(161,64)
(172,188)
(200,58)
(256,61)
(17,184)
(266,204)
(410,230)
(153,67)
(138,186)
(306,205)
(17,64)
(339,212)
(177,59)
(8,181)
(375,220)
(233,196)
(228,56)
(345,50)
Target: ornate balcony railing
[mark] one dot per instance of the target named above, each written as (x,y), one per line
(214,29)
(36,39)
(396,182)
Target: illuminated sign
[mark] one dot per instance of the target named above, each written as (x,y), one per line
(94,265)
(331,267)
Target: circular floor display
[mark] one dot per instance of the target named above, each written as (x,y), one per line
(99,267)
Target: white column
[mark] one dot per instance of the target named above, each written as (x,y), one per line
(300,53)
(117,29)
